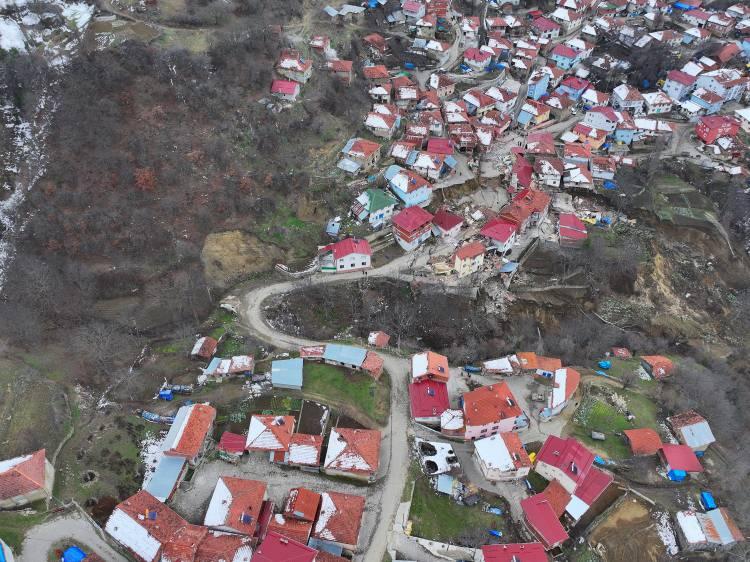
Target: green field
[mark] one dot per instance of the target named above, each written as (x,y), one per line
(596,413)
(350,391)
(437,517)
(14,525)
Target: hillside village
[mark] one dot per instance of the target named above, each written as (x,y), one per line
(495,129)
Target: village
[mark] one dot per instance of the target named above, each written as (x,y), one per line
(488,135)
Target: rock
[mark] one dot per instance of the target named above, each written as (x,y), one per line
(229,256)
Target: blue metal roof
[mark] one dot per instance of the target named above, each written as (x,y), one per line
(326,546)
(412,157)
(165,478)
(348,146)
(287,372)
(445,484)
(391,171)
(174,431)
(722,529)
(344,354)
(212,366)
(451,161)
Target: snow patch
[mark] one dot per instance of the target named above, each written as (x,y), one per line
(150,455)
(666,532)
(11,36)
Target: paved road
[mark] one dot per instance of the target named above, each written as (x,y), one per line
(395,444)
(74,527)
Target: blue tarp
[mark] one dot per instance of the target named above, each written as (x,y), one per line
(685,7)
(605,364)
(509,267)
(73,554)
(165,395)
(677,475)
(610,185)
(326,546)
(707,500)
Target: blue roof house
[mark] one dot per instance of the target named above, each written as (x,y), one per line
(344,355)
(538,84)
(287,373)
(408,187)
(164,481)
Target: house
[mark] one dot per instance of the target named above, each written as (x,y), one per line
(411,227)
(603,168)
(538,83)
(400,151)
(549,171)
(431,166)
(515,552)
(593,98)
(627,98)
(428,399)
(151,532)
(595,138)
(545,28)
(564,385)
(376,206)
(279,548)
(505,100)
(521,174)
(500,234)
(577,176)
(296,519)
(426,26)
(692,430)
(381,92)
(679,461)
(695,36)
(468,259)
(569,20)
(341,70)
(373,365)
(644,441)
(359,155)
(564,460)
(380,125)
(502,457)
(320,43)
(339,521)
(728,83)
(657,102)
(446,224)
(542,521)
(304,451)
(291,65)
(698,18)
(743,116)
(720,25)
(712,530)
(219,369)
(492,409)
(533,113)
(713,127)
(442,84)
(452,423)
(354,453)
(378,339)
(235,506)
(574,153)
(564,57)
(528,208)
(287,90)
(25,479)
(376,74)
(678,84)
(657,366)
(231,446)
(376,43)
(187,436)
(287,373)
(204,348)
(574,87)
(572,231)
(269,433)
(428,365)
(603,118)
(478,103)
(411,188)
(346,356)
(469,27)
(708,102)
(344,256)
(413,10)
(560,105)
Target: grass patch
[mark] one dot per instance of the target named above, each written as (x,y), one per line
(349,389)
(14,525)
(537,481)
(596,413)
(437,517)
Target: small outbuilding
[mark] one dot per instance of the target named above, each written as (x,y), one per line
(287,373)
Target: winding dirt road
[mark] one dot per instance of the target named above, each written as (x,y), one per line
(393,471)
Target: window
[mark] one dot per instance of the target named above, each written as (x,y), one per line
(364,263)
(341,266)
(352,264)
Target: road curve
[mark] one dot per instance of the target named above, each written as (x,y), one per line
(395,444)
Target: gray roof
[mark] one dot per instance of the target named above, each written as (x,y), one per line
(697,435)
(287,372)
(163,481)
(345,354)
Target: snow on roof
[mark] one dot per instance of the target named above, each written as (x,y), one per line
(218,507)
(690,527)
(353,450)
(452,420)
(442,452)
(11,36)
(503,452)
(501,365)
(339,518)
(564,386)
(128,532)
(305,449)
(269,433)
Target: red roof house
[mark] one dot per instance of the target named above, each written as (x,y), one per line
(515,552)
(411,227)
(376,42)
(25,479)
(286,89)
(446,224)
(304,450)
(438,145)
(540,518)
(566,460)
(339,519)
(204,348)
(353,452)
(501,234)
(269,433)
(657,366)
(193,432)
(491,409)
(236,505)
(302,504)
(572,231)
(712,127)
(428,400)
(429,365)
(644,441)
(679,457)
(278,548)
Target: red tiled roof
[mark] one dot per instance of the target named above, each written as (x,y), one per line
(557,496)
(607,111)
(184,543)
(363,444)
(208,347)
(247,499)
(373,364)
(194,431)
(232,442)
(376,72)
(376,40)
(312,351)
(340,518)
(531,361)
(281,427)
(364,146)
(489,404)
(621,352)
(571,227)
(24,477)
(541,517)
(291,528)
(219,547)
(428,398)
(445,220)
(348,246)
(660,366)
(278,548)
(305,440)
(517,552)
(593,485)
(339,65)
(165,523)
(477,55)
(545,24)
(302,504)
(498,229)
(516,449)
(412,218)
(644,441)
(381,339)
(469,251)
(288,87)
(565,454)
(564,51)
(439,145)
(575,83)
(680,457)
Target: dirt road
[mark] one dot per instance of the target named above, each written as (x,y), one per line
(393,471)
(73,527)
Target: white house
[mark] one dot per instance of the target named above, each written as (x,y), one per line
(626,97)
(678,84)
(564,385)
(657,102)
(350,254)
(729,83)
(502,457)
(743,116)
(603,118)
(381,125)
